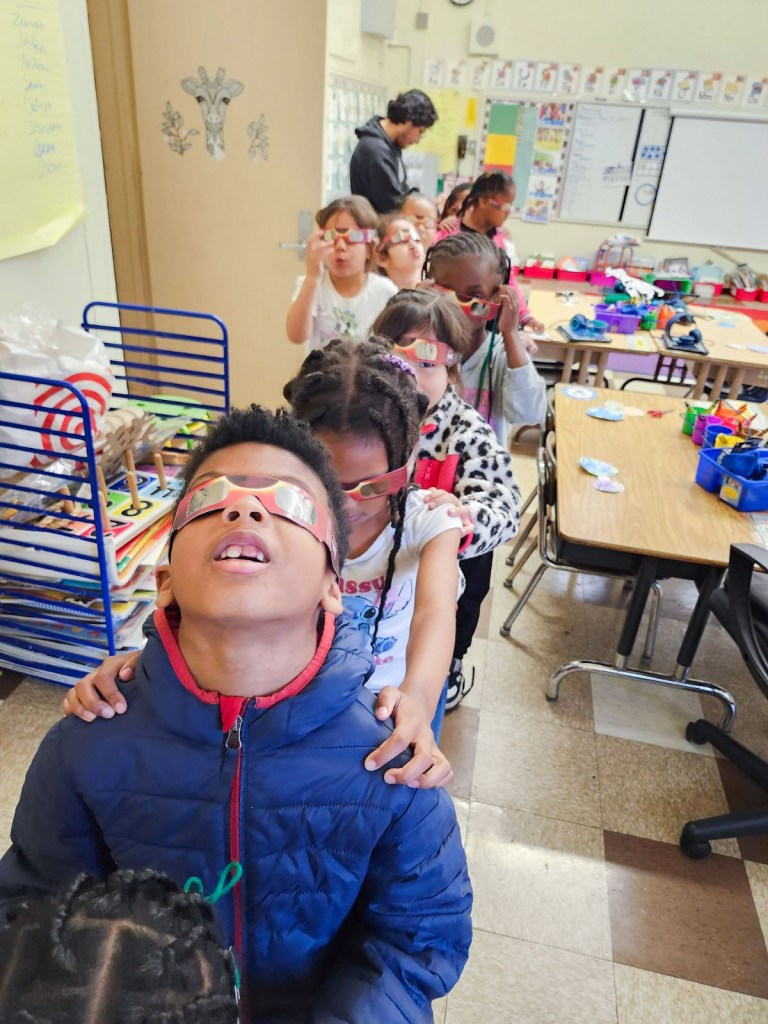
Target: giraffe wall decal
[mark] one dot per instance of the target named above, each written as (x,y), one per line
(214,96)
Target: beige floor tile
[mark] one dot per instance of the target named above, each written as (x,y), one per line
(508,981)
(539,879)
(602,626)
(25,718)
(650,714)
(537,767)
(439,1010)
(758,881)
(651,791)
(646,998)
(516,682)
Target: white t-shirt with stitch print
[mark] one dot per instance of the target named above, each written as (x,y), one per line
(339,316)
(362,580)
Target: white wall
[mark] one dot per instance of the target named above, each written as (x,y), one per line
(700,35)
(79,268)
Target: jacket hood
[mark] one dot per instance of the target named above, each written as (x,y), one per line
(372,129)
(330,684)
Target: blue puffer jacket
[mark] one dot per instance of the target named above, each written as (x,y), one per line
(355,902)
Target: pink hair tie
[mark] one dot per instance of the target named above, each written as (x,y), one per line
(401,364)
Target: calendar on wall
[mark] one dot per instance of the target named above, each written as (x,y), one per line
(350,103)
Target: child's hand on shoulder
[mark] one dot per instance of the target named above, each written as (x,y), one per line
(429,767)
(317,251)
(434,497)
(449,224)
(509,318)
(96,695)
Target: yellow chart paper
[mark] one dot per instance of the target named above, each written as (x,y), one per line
(442,137)
(40,188)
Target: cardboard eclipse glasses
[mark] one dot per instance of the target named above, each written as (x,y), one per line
(427,350)
(350,235)
(480,309)
(278,497)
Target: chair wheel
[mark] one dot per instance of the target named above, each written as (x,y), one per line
(505,632)
(696,849)
(509,584)
(693,735)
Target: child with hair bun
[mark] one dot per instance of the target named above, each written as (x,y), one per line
(459,460)
(339,296)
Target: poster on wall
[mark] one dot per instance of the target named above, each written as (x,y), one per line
(616,78)
(434,73)
(42,197)
(501,75)
(546,77)
(732,90)
(568,79)
(755,92)
(592,81)
(457,74)
(524,75)
(481,73)
(637,84)
(708,87)
(441,138)
(661,84)
(684,86)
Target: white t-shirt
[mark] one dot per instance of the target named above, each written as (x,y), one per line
(362,580)
(336,316)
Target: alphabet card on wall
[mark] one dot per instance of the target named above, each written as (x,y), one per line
(592,81)
(684,86)
(457,74)
(732,89)
(616,79)
(481,73)
(524,75)
(546,77)
(708,87)
(638,84)
(434,73)
(568,79)
(755,92)
(661,84)
(501,75)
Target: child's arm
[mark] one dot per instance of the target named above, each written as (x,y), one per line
(409,932)
(298,323)
(427,661)
(525,317)
(523,391)
(53,835)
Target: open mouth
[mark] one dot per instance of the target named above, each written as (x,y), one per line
(241,547)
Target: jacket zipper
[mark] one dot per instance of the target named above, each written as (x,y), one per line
(234,742)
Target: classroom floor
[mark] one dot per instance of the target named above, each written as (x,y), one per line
(586,911)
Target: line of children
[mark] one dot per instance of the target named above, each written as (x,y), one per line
(400,252)
(484,210)
(247,727)
(339,296)
(459,459)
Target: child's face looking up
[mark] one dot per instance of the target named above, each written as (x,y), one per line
(292,581)
(348,259)
(475,276)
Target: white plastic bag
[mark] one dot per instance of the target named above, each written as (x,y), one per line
(35,345)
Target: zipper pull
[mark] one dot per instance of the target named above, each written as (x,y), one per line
(234,741)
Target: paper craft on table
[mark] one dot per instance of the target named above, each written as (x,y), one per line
(612,411)
(596,467)
(575,391)
(608,486)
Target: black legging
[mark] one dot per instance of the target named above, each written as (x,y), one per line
(477,573)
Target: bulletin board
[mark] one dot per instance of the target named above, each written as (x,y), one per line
(350,103)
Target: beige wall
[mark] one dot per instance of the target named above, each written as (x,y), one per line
(698,34)
(214,228)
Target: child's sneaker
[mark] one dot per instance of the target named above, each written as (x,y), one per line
(457,685)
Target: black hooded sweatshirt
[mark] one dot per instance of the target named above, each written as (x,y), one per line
(376,169)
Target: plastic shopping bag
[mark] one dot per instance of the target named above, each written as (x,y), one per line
(34,345)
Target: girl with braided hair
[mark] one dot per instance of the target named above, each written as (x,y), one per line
(133,948)
(400,580)
(483,211)
(500,380)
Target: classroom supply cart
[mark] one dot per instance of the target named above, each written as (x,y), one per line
(78,547)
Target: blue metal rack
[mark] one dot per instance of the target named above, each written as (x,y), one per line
(171,355)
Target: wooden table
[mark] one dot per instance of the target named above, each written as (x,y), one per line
(674,527)
(730,337)
(552,311)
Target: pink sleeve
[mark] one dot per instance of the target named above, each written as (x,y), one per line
(525,313)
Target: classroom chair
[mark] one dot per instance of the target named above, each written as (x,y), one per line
(741,606)
(554,553)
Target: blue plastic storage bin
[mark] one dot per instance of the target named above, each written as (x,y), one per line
(742,494)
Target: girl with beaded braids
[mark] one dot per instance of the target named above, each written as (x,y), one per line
(133,948)
(400,581)
(500,380)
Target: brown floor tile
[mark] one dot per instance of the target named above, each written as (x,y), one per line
(689,919)
(8,682)
(459,743)
(743,794)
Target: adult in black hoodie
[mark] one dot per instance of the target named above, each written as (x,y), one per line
(376,169)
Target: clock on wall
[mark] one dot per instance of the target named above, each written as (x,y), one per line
(461,3)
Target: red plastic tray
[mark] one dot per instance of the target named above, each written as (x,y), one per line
(538,271)
(571,275)
(742,295)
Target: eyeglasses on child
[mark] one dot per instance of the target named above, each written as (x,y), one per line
(503,207)
(278,497)
(350,235)
(480,309)
(422,219)
(383,485)
(399,238)
(428,350)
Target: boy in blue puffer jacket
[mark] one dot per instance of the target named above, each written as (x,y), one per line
(244,742)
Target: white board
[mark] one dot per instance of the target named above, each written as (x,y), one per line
(712,187)
(599,162)
(79,268)
(646,168)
